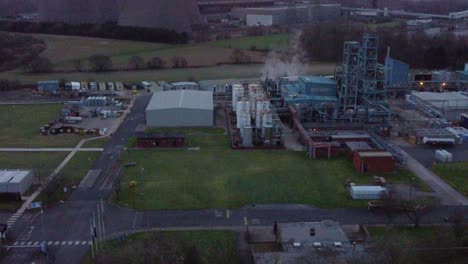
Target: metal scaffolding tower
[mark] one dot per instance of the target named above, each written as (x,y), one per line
(371,81)
(362,92)
(349,86)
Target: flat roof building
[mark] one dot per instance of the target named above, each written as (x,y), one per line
(180,108)
(15,181)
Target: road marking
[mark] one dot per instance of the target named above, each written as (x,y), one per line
(84,243)
(16,243)
(36,243)
(22,243)
(57,243)
(29,243)
(63,243)
(90,242)
(228,214)
(77,243)
(70,243)
(245,220)
(50,243)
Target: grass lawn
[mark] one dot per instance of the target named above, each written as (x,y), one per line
(71,175)
(220,178)
(163,247)
(455,174)
(20,126)
(202,73)
(267,42)
(42,164)
(217,177)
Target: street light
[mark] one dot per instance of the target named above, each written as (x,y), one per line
(411,189)
(141,180)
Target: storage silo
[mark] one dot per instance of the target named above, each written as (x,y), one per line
(177,15)
(78,11)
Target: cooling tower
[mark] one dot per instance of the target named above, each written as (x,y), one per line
(78,11)
(177,15)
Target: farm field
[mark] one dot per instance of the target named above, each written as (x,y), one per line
(20,126)
(455,174)
(64,50)
(267,42)
(212,247)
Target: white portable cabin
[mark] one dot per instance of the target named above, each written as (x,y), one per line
(367,192)
(15,181)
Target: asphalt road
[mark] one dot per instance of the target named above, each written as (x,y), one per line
(66,227)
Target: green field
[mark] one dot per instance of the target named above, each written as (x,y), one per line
(268,42)
(170,75)
(166,247)
(64,50)
(455,174)
(71,175)
(42,163)
(20,126)
(217,177)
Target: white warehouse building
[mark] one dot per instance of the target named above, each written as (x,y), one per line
(15,181)
(180,108)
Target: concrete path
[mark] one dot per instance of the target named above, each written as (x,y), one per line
(33,196)
(49,149)
(447,195)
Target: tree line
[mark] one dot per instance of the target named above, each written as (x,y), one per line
(17,50)
(324,42)
(107,30)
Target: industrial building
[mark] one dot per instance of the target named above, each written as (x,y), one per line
(368,161)
(253,123)
(176,15)
(160,140)
(78,11)
(15,182)
(48,86)
(180,108)
(284,15)
(447,105)
(184,86)
(397,74)
(307,240)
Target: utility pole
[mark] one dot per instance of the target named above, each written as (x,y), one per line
(102,219)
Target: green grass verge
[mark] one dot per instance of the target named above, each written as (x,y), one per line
(21,123)
(164,247)
(96,143)
(267,42)
(455,174)
(170,75)
(71,175)
(433,244)
(42,163)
